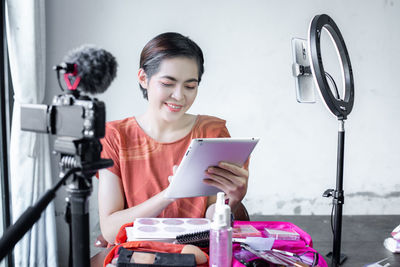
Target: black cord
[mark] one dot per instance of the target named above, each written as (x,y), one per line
(58,79)
(333,207)
(337,96)
(67,217)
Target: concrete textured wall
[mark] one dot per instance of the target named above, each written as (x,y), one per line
(248,82)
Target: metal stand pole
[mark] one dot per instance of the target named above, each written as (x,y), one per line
(79,191)
(338,200)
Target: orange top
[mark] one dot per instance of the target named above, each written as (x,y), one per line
(143,164)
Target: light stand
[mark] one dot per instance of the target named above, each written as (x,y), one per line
(338,201)
(340,107)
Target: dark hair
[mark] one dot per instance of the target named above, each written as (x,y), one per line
(168,45)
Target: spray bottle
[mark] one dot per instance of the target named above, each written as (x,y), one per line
(221,234)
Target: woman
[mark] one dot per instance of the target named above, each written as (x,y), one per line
(147,147)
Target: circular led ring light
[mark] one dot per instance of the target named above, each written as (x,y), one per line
(339,107)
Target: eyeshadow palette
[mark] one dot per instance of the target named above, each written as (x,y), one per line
(165,228)
(282,234)
(241,231)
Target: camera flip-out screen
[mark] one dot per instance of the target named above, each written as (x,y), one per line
(77,118)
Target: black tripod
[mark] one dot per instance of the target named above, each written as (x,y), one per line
(86,154)
(80,158)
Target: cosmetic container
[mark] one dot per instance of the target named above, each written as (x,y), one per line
(221,234)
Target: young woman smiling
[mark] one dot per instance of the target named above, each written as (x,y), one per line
(146,148)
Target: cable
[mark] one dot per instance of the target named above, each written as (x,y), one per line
(333,207)
(337,96)
(58,80)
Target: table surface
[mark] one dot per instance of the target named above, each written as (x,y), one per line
(362,237)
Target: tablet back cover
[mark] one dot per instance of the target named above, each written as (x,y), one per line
(201,154)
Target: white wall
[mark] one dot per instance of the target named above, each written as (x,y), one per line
(248,82)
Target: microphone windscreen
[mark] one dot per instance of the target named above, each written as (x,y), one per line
(96,67)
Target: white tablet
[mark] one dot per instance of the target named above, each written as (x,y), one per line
(201,154)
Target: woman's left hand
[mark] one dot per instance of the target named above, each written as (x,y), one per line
(231,179)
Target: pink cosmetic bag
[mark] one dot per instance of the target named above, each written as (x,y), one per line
(301,246)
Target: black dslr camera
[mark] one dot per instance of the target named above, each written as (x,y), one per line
(77,120)
(70,116)
(78,123)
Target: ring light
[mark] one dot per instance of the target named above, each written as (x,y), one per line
(340,107)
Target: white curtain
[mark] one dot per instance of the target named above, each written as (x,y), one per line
(30,168)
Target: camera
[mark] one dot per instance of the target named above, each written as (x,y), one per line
(78,122)
(69,115)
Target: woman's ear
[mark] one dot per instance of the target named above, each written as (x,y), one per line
(142,77)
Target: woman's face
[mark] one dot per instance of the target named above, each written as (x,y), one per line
(172,90)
